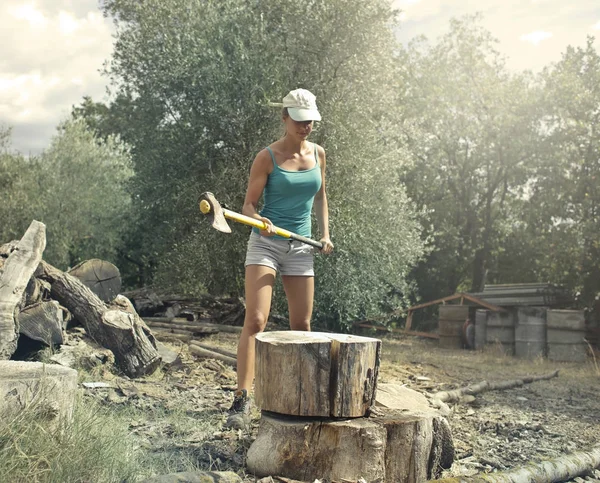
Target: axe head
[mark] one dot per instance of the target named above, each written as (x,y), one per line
(209,205)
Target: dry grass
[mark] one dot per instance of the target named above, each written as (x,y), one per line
(95,446)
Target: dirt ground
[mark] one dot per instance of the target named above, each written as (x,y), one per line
(177,414)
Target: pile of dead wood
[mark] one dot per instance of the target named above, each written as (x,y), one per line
(38,303)
(187,318)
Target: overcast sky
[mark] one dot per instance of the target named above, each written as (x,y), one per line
(51,51)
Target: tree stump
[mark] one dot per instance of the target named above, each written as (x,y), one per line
(395,446)
(316,374)
(100,276)
(17,270)
(317,393)
(47,389)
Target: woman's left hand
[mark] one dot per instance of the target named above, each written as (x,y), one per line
(327,245)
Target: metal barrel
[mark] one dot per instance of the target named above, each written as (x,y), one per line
(480,328)
(566,335)
(501,329)
(530,332)
(452,318)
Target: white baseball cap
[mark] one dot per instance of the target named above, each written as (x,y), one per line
(302,105)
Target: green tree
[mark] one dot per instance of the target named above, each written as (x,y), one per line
(470,126)
(77,187)
(564,196)
(199,76)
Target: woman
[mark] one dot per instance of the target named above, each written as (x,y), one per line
(291,175)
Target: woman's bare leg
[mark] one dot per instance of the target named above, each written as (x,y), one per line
(300,292)
(259,290)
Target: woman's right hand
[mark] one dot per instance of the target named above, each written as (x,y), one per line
(270,230)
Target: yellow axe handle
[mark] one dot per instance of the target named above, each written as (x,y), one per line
(261,225)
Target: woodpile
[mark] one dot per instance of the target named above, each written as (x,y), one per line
(152,305)
(38,303)
(37,300)
(317,392)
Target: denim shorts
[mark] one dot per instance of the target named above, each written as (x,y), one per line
(289,257)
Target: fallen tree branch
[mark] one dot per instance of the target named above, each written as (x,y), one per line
(484,386)
(218,350)
(152,321)
(558,469)
(208,354)
(195,329)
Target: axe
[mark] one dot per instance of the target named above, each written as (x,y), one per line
(218,218)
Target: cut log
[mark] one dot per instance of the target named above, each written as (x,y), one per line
(208,354)
(100,276)
(49,390)
(18,269)
(484,386)
(316,374)
(563,468)
(42,322)
(212,348)
(116,327)
(396,447)
(235,315)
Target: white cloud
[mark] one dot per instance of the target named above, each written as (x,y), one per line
(51,53)
(597,26)
(67,23)
(29,13)
(536,37)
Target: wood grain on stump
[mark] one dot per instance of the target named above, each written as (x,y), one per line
(316,374)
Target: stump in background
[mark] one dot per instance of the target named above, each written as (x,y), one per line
(100,276)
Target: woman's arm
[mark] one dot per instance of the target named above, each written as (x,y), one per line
(259,173)
(321,206)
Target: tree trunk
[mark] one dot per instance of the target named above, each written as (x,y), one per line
(116,327)
(17,270)
(316,374)
(42,322)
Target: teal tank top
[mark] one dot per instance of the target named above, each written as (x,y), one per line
(289,196)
